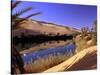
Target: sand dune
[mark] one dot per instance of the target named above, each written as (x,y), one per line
(85,59)
(43,28)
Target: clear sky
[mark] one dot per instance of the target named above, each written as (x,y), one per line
(70,15)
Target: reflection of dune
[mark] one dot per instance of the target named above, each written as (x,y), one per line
(85,59)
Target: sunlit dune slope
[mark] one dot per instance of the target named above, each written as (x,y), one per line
(85,59)
(33,27)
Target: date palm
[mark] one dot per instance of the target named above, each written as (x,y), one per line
(17,62)
(15,17)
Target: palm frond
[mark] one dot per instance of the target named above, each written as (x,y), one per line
(22,11)
(16,20)
(13,5)
(33,15)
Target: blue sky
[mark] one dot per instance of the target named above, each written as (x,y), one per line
(70,15)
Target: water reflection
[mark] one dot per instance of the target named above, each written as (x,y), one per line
(44,45)
(33,51)
(66,49)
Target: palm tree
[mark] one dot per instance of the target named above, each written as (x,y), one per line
(15,17)
(17,62)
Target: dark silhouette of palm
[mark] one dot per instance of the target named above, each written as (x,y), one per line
(17,62)
(15,17)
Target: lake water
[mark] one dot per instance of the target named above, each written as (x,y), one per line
(48,48)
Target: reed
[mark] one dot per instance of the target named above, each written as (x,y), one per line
(45,63)
(84,60)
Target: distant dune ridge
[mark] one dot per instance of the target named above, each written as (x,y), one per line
(33,27)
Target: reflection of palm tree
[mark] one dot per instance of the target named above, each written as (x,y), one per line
(17,62)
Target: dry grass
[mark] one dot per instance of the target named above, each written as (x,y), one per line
(85,59)
(45,63)
(84,42)
(80,44)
